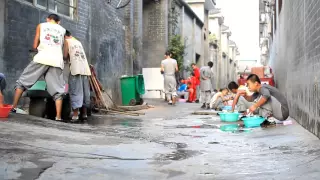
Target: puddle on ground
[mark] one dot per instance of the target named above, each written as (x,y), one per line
(213,142)
(178,155)
(194,136)
(234,128)
(110,121)
(173,145)
(203,126)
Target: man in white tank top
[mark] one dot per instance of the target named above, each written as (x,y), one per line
(79,89)
(169,67)
(48,62)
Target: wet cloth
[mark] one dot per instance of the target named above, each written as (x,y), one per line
(52,75)
(79,91)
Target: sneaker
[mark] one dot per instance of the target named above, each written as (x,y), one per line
(197,101)
(13,110)
(188,101)
(203,106)
(170,102)
(74,119)
(84,118)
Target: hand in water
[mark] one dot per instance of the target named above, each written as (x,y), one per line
(252,109)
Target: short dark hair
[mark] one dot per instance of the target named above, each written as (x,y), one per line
(54,17)
(68,33)
(193,64)
(180,79)
(210,64)
(233,85)
(167,53)
(254,78)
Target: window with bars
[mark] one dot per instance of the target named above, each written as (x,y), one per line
(63,7)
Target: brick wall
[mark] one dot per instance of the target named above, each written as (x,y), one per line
(155,32)
(295,59)
(99,26)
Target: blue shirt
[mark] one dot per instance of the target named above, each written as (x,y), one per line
(182,87)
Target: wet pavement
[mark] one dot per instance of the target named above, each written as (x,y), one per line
(166,143)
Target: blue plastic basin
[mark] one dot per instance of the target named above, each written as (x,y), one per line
(253,121)
(229,117)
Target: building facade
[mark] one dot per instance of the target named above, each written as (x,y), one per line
(223,52)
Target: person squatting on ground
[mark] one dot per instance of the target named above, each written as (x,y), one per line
(169,67)
(196,72)
(79,88)
(205,84)
(266,101)
(48,62)
(219,100)
(2,87)
(183,89)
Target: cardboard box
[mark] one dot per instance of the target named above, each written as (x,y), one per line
(258,71)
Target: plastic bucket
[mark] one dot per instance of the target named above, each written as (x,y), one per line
(229,117)
(5,110)
(255,121)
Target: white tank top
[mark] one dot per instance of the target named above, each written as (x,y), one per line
(50,47)
(78,61)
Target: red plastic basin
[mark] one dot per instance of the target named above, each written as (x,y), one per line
(5,110)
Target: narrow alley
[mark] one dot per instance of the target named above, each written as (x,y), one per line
(167,143)
(159,89)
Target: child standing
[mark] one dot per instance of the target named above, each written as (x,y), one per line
(48,62)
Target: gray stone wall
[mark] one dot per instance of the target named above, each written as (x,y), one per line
(295,60)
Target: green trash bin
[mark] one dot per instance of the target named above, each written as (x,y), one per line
(132,87)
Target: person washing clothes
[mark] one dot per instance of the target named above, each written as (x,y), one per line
(219,100)
(48,62)
(205,85)
(2,87)
(266,101)
(169,67)
(79,88)
(235,89)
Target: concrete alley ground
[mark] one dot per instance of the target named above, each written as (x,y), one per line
(167,143)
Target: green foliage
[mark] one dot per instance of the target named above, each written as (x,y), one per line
(176,47)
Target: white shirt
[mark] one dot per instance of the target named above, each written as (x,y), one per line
(50,47)
(78,60)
